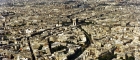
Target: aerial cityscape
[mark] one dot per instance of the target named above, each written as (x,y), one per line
(69,29)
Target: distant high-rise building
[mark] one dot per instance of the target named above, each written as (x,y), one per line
(84,0)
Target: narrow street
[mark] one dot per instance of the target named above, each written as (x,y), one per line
(80,51)
(33,56)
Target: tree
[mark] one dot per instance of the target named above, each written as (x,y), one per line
(40,47)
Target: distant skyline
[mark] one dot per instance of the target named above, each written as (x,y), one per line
(12,1)
(6,1)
